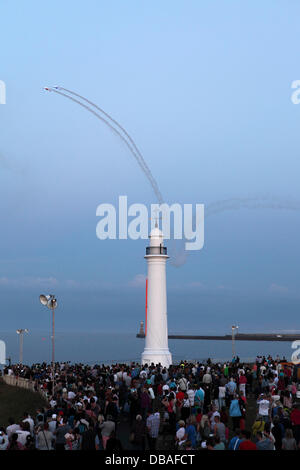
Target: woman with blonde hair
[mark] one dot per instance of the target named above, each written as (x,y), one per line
(204,427)
(289,442)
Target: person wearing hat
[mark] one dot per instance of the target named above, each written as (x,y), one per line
(264,407)
(53,423)
(138,433)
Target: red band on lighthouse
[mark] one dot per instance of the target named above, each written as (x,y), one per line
(146,307)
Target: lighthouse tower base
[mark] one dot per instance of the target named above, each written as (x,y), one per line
(162,356)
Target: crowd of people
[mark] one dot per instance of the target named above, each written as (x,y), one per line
(199,406)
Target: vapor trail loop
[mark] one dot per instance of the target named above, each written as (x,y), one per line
(125,138)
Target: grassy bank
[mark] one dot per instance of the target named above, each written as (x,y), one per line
(14,401)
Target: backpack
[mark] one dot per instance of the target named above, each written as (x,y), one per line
(183,384)
(126,407)
(82,427)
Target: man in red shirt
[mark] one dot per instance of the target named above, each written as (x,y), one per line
(179,399)
(246,444)
(242,383)
(295,420)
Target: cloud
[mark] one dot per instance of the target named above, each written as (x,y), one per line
(91,285)
(29,282)
(46,283)
(4,162)
(9,164)
(196,284)
(278,289)
(72,284)
(138,281)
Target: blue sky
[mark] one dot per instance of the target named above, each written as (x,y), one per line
(204,88)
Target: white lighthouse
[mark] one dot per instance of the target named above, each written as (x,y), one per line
(156,341)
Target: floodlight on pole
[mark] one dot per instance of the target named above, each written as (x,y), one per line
(234,328)
(51,302)
(44,299)
(21,332)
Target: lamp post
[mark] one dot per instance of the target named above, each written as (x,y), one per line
(233,330)
(21,332)
(51,302)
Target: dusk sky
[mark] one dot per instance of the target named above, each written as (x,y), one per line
(204,88)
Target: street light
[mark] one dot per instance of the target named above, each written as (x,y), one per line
(233,330)
(21,332)
(51,302)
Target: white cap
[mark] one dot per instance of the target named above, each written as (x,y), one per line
(54,416)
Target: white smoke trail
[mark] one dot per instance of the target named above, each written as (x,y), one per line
(125,136)
(180,255)
(149,174)
(250,203)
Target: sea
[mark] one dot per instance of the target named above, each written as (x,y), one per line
(99,347)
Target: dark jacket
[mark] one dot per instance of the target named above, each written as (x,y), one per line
(139,430)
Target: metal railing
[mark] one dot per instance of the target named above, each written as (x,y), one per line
(20,382)
(156,250)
